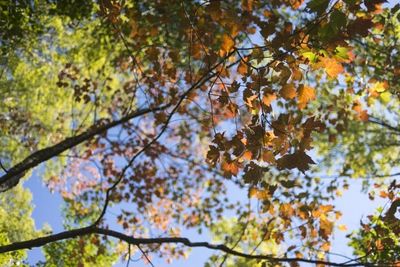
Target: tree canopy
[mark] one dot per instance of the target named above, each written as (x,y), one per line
(246,119)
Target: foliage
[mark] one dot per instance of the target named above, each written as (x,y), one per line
(377,240)
(16,223)
(158,110)
(247,236)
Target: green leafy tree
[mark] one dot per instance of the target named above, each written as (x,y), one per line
(16,223)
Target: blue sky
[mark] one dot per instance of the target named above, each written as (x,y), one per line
(354,204)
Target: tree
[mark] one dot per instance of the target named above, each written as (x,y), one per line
(16,223)
(156,109)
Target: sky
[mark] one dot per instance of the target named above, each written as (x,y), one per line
(354,205)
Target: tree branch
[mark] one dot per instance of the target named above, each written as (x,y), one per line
(41,241)
(15,173)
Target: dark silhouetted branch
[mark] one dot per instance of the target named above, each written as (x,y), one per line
(41,241)
(14,174)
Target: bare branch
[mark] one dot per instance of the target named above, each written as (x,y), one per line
(14,174)
(41,241)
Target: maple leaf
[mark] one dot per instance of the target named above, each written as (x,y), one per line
(379,86)
(230,168)
(268,98)
(332,67)
(253,173)
(362,115)
(242,68)
(288,91)
(299,160)
(305,95)
(213,155)
(227,43)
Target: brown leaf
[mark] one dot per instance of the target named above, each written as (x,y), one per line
(299,160)
(213,155)
(288,91)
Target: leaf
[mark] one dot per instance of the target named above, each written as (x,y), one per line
(268,156)
(305,95)
(288,91)
(295,4)
(268,98)
(242,68)
(230,168)
(337,21)
(342,52)
(227,43)
(213,155)
(253,173)
(342,227)
(318,6)
(311,56)
(332,67)
(385,97)
(361,113)
(299,160)
(379,87)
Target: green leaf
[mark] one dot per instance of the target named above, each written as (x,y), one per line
(342,52)
(318,6)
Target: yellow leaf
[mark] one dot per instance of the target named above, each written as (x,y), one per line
(379,87)
(305,95)
(342,227)
(385,97)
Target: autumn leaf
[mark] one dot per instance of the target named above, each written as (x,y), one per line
(288,91)
(230,168)
(342,227)
(362,114)
(242,68)
(332,67)
(305,95)
(379,87)
(299,160)
(268,98)
(213,155)
(227,43)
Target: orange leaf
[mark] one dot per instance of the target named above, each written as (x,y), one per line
(247,155)
(227,43)
(362,114)
(268,98)
(242,68)
(230,168)
(332,67)
(288,91)
(268,156)
(305,94)
(326,246)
